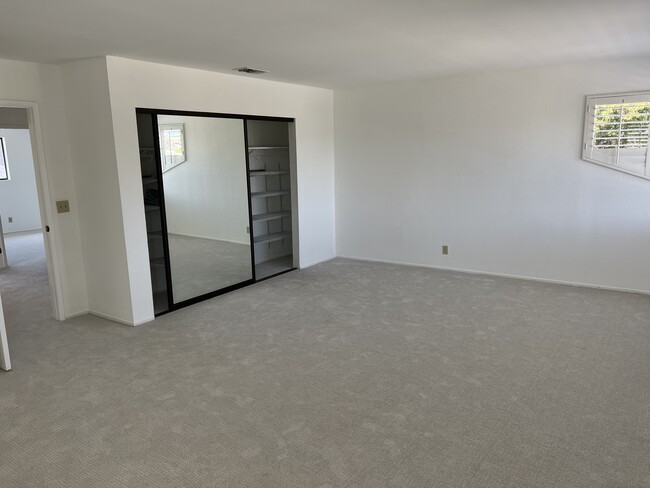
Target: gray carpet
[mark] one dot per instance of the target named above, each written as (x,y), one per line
(346,374)
(273,266)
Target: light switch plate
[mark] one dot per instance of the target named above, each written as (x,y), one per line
(63,206)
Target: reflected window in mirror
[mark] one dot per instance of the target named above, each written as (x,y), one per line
(207,208)
(172,145)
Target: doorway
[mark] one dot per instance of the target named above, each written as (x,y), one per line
(26,270)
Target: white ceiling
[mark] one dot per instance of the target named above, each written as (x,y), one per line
(328,43)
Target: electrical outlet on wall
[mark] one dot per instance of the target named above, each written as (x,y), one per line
(63,206)
(11,219)
(445,249)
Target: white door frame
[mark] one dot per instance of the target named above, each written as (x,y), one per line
(45,204)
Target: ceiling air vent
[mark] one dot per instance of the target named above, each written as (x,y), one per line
(250,71)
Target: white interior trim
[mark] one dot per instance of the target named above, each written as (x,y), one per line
(321,260)
(45,204)
(21,231)
(116,319)
(501,275)
(198,236)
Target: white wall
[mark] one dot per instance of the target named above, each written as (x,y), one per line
(139,84)
(31,82)
(207,196)
(95,175)
(490,165)
(18,195)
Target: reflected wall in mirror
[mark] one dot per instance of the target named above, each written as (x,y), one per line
(206,202)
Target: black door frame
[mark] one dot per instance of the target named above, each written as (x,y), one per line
(163,212)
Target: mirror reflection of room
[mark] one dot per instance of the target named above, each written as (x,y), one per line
(172,145)
(206,204)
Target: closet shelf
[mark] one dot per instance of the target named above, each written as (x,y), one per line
(157,262)
(277,236)
(267,173)
(265,194)
(270,216)
(149,180)
(266,148)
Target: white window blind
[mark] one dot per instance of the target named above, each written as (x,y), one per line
(616,132)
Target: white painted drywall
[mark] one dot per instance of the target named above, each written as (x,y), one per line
(98,193)
(18,195)
(40,83)
(490,165)
(141,84)
(206,196)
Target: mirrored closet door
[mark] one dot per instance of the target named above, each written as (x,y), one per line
(213,220)
(206,203)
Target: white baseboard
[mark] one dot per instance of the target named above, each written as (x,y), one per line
(319,261)
(247,243)
(108,317)
(501,275)
(111,318)
(144,321)
(23,231)
(75,314)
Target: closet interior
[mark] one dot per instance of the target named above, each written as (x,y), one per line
(269,159)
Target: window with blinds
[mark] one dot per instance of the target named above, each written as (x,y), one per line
(4,170)
(616,132)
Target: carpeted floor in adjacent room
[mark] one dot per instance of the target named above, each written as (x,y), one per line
(346,374)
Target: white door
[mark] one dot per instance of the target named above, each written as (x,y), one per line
(3,252)
(5,362)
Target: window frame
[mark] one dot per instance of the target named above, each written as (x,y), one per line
(3,148)
(611,98)
(169,160)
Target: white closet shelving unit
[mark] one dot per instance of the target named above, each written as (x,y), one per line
(270,179)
